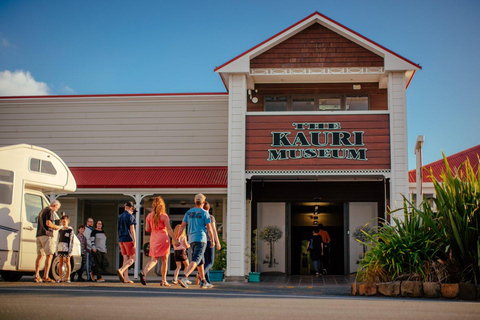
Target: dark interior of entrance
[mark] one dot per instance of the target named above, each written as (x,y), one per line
(305,217)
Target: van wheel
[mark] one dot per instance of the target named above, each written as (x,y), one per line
(55,273)
(10,276)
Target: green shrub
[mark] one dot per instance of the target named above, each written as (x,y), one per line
(220,262)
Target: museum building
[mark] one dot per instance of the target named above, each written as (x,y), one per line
(311,130)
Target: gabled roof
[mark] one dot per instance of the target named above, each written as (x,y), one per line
(393,61)
(454,161)
(150,177)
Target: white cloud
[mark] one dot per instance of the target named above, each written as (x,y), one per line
(4,43)
(21,83)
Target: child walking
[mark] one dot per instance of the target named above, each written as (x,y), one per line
(64,247)
(180,254)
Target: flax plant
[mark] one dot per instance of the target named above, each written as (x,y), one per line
(399,251)
(457,218)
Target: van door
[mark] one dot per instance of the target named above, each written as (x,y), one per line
(33,203)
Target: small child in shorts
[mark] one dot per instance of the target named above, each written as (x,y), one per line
(64,247)
(180,254)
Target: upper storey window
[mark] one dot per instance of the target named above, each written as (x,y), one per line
(317,102)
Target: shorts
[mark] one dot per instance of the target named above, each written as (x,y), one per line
(180,255)
(45,245)
(63,254)
(127,248)
(198,252)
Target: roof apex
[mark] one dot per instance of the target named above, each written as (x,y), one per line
(241,63)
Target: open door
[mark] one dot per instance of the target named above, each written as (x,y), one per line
(360,213)
(272,214)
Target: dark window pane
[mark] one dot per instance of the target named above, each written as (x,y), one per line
(47,167)
(303,104)
(357,103)
(6,176)
(276,103)
(35,165)
(6,193)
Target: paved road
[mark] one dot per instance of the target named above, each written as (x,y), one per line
(26,300)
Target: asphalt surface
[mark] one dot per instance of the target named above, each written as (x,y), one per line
(227,300)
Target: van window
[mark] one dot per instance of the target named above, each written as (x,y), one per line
(33,205)
(6,186)
(37,165)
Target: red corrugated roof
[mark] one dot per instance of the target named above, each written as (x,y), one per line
(454,161)
(150,177)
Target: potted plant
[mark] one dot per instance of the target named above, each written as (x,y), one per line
(253,256)
(217,273)
(271,234)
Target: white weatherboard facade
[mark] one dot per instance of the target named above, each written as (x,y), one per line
(185,130)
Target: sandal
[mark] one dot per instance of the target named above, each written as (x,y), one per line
(37,279)
(143,279)
(48,280)
(164,284)
(129,281)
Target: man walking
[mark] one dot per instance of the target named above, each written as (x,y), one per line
(198,221)
(89,258)
(45,242)
(127,240)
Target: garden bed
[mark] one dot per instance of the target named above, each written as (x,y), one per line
(418,289)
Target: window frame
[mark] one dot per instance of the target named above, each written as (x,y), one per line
(317,97)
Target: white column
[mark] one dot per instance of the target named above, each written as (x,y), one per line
(236,203)
(138,205)
(398,138)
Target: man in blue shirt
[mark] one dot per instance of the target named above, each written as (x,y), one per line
(127,240)
(198,221)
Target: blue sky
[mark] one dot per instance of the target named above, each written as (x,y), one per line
(116,47)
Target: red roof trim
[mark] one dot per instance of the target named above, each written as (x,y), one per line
(150,177)
(410,80)
(331,20)
(120,95)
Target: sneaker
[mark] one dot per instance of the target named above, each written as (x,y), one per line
(143,279)
(68,281)
(205,285)
(188,282)
(183,282)
(174,281)
(100,280)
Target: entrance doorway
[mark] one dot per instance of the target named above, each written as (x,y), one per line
(305,217)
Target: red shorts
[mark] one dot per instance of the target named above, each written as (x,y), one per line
(127,248)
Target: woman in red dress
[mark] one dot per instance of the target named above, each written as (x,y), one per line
(158,223)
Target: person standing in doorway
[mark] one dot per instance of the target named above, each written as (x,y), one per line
(88,254)
(198,221)
(127,240)
(45,241)
(325,261)
(158,223)
(315,246)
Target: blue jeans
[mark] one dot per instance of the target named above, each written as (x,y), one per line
(198,252)
(209,258)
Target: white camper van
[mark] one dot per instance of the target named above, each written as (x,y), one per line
(26,173)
